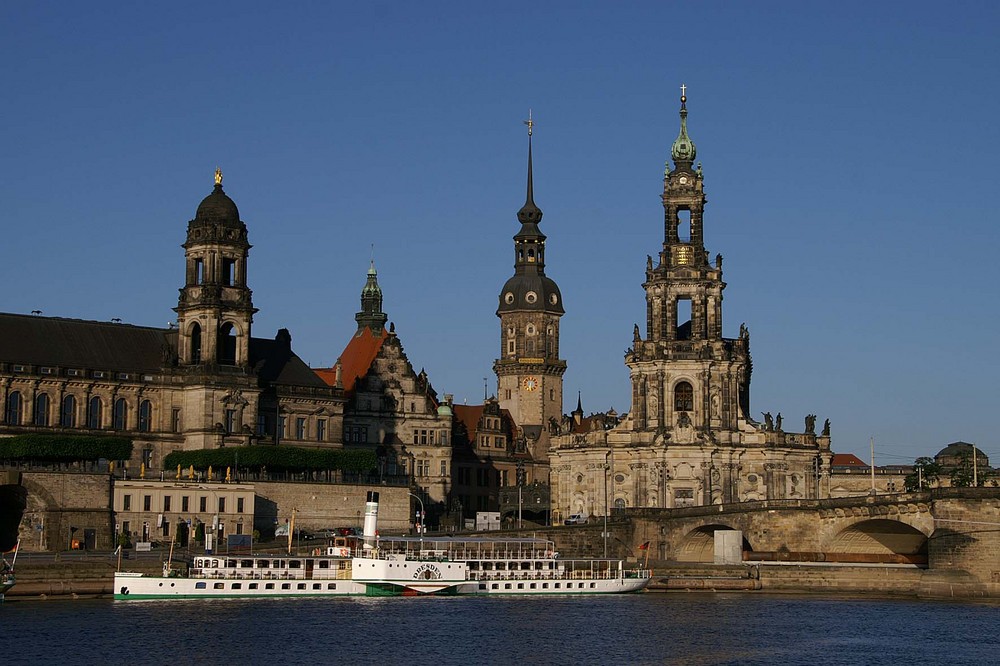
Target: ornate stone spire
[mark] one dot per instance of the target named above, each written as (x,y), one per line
(683,150)
(371,315)
(530,214)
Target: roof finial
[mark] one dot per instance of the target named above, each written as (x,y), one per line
(684,93)
(218,177)
(683,150)
(529,122)
(371,266)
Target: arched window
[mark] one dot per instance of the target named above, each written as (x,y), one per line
(42,409)
(67,415)
(683,397)
(119,414)
(145,416)
(94,413)
(14,408)
(227,345)
(195,343)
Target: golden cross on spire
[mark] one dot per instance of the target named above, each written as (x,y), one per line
(529,122)
(218,176)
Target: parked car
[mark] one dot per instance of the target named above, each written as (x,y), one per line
(576,519)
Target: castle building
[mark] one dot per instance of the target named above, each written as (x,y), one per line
(391,408)
(688,438)
(206,383)
(529,371)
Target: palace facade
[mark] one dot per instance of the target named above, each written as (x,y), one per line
(204,383)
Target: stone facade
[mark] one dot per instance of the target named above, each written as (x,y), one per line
(689,438)
(205,383)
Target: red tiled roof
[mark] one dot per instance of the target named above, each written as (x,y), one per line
(848,460)
(469,415)
(356,358)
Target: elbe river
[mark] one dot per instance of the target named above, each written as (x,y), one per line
(651,628)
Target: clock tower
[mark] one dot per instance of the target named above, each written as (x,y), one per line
(529,371)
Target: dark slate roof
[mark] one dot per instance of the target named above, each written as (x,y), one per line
(56,341)
(274,361)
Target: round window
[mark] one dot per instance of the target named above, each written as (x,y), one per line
(553,299)
(752,478)
(579,478)
(530,329)
(508,298)
(531,297)
(619,478)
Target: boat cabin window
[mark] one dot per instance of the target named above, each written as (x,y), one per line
(219,586)
(230,563)
(268,586)
(324,564)
(295,564)
(263,564)
(278,564)
(252,586)
(501,566)
(236,586)
(246,563)
(286,586)
(200,586)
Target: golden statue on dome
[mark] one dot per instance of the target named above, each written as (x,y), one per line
(218,176)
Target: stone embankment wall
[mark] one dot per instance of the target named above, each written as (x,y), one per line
(321,506)
(58,502)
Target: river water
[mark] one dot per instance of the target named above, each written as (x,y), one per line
(651,628)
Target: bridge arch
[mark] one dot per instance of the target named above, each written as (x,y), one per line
(698,545)
(880,539)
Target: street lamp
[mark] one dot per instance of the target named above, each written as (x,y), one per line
(607,467)
(423,515)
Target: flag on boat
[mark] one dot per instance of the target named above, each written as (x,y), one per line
(644,546)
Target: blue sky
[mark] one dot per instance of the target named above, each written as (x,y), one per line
(848,151)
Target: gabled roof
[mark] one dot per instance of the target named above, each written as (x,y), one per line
(470,416)
(57,341)
(356,358)
(847,460)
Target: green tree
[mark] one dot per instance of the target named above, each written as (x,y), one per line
(923,468)
(961,475)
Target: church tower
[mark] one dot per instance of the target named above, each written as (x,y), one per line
(688,382)
(215,308)
(529,371)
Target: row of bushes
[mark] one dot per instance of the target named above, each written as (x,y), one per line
(275,459)
(64,448)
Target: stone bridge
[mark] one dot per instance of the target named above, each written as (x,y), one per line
(944,530)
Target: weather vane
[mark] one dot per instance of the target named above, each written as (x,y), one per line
(218,176)
(529,122)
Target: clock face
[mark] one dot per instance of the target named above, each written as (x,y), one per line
(530,384)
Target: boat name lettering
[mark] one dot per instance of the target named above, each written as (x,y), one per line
(427,571)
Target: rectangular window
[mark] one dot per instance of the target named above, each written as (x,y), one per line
(423,436)
(166,503)
(300,428)
(202,504)
(175,420)
(185,503)
(165,528)
(126,527)
(444,438)
(239,505)
(230,421)
(281,426)
(199,271)
(239,528)
(430,437)
(147,502)
(147,457)
(222,505)
(126,503)
(444,468)
(321,430)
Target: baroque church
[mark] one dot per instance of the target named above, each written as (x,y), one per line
(689,438)
(204,383)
